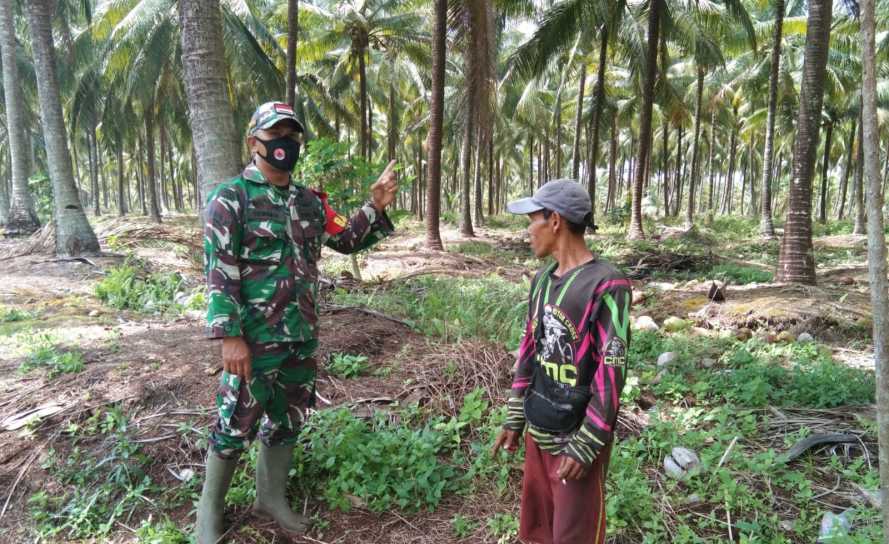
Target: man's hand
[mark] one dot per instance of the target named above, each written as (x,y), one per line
(383,191)
(236,357)
(508,440)
(570,469)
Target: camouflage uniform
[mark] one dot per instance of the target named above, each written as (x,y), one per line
(262,244)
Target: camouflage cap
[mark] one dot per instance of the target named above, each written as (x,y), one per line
(269,115)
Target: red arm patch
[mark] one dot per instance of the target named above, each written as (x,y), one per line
(335,223)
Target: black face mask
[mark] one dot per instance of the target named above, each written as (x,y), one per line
(281,153)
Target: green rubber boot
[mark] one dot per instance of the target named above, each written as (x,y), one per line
(272,466)
(208,528)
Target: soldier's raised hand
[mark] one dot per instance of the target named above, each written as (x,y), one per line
(384,189)
(236,357)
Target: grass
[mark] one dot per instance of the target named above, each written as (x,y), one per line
(42,351)
(452,309)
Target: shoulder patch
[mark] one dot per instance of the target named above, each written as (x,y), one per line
(335,223)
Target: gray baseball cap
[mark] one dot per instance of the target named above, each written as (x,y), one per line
(563,196)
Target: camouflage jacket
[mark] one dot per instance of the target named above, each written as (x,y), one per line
(261,248)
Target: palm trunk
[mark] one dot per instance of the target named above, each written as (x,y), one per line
(21,217)
(597,114)
(151,181)
(796,262)
(844,176)
(216,144)
(693,180)
(93,170)
(557,124)
(362,85)
(491,195)
(436,117)
(729,180)
(466,188)
(74,235)
(822,216)
(530,164)
(292,32)
(141,172)
(575,169)
(636,231)
(163,180)
(121,180)
(710,165)
(860,219)
(677,183)
(665,164)
(876,247)
(479,154)
(766,226)
(753,208)
(612,162)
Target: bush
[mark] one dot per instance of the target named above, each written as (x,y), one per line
(380,463)
(124,289)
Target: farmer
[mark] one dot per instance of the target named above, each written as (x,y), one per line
(262,240)
(570,372)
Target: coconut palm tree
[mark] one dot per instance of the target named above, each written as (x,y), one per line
(796,262)
(21,217)
(636,231)
(433,139)
(74,235)
(216,143)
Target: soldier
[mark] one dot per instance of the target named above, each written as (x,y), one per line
(262,240)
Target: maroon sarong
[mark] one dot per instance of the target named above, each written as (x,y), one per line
(557,513)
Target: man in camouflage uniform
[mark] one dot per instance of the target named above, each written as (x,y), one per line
(262,240)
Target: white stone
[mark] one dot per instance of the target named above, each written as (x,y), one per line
(666,358)
(834,527)
(681,462)
(672,469)
(94,313)
(805,338)
(685,457)
(645,323)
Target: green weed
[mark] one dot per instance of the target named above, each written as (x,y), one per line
(97,490)
(42,351)
(379,463)
(739,275)
(752,373)
(163,532)
(126,288)
(12,315)
(344,365)
(503,527)
(463,526)
(452,308)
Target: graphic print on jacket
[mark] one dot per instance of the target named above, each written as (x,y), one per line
(581,343)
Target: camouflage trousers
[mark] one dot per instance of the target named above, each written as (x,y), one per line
(274,402)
